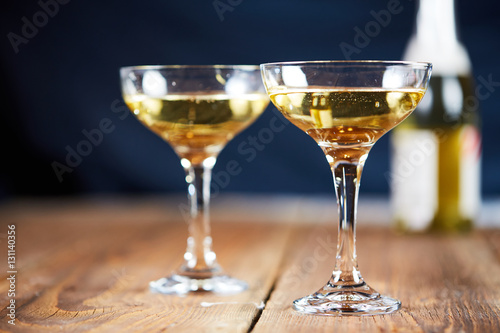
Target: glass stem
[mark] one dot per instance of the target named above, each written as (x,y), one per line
(199,257)
(347,179)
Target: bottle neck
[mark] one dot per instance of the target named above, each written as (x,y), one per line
(436,39)
(436,23)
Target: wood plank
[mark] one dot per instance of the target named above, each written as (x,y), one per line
(493,238)
(85,266)
(85,269)
(446,284)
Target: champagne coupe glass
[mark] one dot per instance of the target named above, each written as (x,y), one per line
(197,110)
(346,106)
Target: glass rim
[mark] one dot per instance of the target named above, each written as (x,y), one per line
(160,67)
(368,63)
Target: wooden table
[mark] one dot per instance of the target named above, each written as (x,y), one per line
(84,266)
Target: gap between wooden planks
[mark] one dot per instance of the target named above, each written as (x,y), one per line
(445,283)
(87,269)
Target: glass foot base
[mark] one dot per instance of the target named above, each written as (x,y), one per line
(178,284)
(346,303)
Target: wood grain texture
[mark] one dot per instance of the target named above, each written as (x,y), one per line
(87,270)
(84,266)
(445,283)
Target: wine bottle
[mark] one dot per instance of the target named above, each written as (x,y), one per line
(436,152)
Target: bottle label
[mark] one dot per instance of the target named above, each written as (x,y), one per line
(470,172)
(413,177)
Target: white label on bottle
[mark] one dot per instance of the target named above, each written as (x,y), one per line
(470,172)
(413,177)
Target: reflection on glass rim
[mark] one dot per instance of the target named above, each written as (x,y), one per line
(159,67)
(352,62)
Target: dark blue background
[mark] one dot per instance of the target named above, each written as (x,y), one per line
(65,80)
